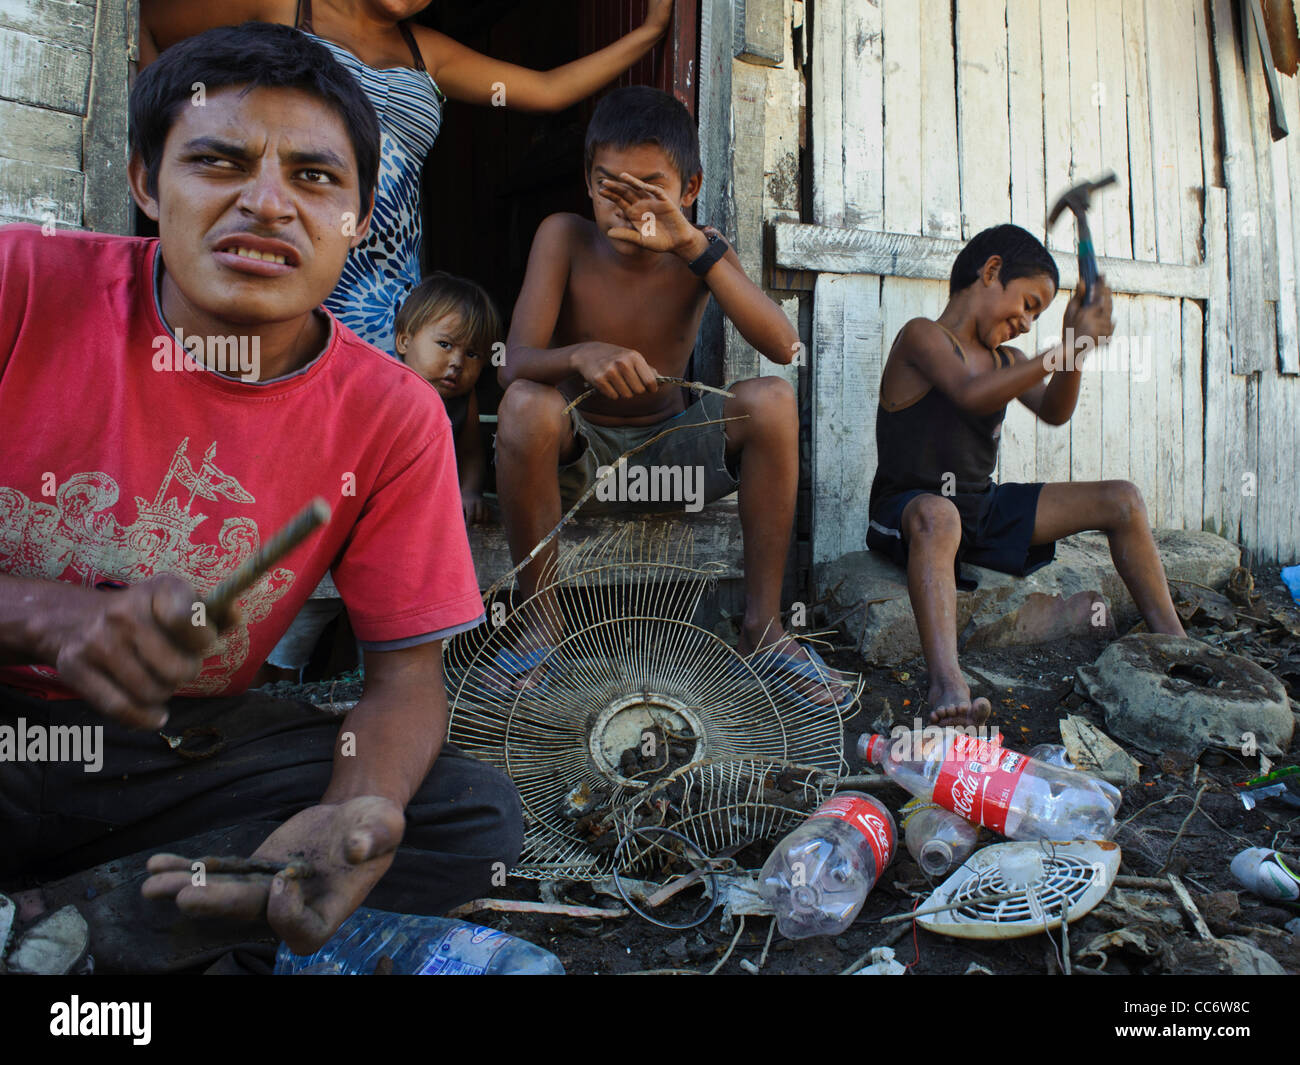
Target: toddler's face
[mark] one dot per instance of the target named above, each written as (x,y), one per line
(437,355)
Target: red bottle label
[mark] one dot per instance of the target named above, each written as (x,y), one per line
(977,779)
(863,815)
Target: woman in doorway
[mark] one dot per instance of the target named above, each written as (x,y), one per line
(405,69)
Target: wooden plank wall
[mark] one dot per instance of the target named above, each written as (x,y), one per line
(1047,93)
(63,89)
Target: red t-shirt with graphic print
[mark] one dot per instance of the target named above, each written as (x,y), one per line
(116,466)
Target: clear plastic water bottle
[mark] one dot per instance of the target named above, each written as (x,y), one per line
(419,946)
(1056,754)
(1267,874)
(817,878)
(993,786)
(938,839)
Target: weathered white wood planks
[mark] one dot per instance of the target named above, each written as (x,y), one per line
(846,370)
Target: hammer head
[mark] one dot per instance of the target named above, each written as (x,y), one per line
(1079,198)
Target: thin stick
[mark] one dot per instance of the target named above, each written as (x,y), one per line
(1184,897)
(734,940)
(558,909)
(219,601)
(1194,584)
(694,386)
(951,906)
(771,927)
(1183,827)
(1154,883)
(296,869)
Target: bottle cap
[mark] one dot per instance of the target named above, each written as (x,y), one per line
(872,748)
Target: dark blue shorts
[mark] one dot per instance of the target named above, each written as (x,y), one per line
(996,529)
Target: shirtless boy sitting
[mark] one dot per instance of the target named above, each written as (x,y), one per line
(613,304)
(943,394)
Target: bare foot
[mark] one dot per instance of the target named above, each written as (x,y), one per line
(952,705)
(821,685)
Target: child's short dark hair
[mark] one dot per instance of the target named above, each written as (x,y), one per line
(637,115)
(1023,255)
(256,55)
(441,294)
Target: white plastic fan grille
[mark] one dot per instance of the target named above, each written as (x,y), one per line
(1075,875)
(1064,881)
(631,663)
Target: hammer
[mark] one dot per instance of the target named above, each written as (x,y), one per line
(1077,199)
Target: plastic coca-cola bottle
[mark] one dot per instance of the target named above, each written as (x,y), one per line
(817,878)
(938,839)
(998,788)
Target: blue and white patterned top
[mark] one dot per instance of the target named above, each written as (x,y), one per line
(384,267)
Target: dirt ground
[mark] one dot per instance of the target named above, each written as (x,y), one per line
(1156,835)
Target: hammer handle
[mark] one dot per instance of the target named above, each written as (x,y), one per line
(1087,269)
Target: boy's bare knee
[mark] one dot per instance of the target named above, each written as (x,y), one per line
(530,411)
(764,398)
(931,517)
(1125,503)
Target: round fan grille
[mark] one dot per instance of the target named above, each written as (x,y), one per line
(632,693)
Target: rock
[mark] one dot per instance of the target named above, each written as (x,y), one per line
(676,948)
(1059,600)
(1170,693)
(53,946)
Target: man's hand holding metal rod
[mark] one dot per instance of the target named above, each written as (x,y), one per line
(127,650)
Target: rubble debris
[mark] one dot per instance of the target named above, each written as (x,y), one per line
(1169,693)
(1092,751)
(882,964)
(1230,956)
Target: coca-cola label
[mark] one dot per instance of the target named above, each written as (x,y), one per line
(977,779)
(863,815)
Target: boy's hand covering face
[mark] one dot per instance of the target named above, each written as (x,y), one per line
(658,223)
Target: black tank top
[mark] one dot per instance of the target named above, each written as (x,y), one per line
(931,436)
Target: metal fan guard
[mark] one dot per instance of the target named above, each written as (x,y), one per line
(632,658)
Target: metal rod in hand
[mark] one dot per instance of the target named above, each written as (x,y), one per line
(301,525)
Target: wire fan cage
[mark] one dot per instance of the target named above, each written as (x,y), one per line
(721,806)
(632,692)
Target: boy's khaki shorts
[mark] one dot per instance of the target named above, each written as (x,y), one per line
(688,465)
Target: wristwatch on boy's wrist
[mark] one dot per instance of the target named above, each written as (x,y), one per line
(716,250)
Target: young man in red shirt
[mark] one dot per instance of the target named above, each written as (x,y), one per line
(133,479)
